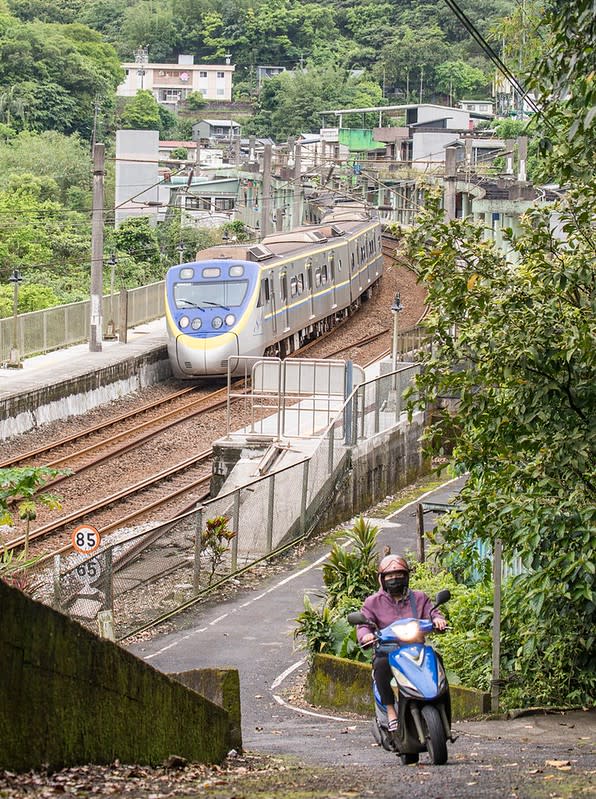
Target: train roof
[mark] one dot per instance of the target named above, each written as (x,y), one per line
(281,243)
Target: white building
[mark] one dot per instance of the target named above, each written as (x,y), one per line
(171,83)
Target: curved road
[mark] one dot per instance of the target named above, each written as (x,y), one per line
(253,632)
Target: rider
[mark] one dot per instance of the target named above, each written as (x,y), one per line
(395,600)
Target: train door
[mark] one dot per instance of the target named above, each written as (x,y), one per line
(284,298)
(310,287)
(273,303)
(332,278)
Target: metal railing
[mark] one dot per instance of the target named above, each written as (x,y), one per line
(133,579)
(65,325)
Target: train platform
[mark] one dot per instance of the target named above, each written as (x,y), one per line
(74,380)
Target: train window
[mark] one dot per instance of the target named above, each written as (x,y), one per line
(324,274)
(300,283)
(284,287)
(317,277)
(353,262)
(212,271)
(332,266)
(212,294)
(339,265)
(264,295)
(309,275)
(293,286)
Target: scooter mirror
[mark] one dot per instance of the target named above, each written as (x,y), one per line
(443,596)
(356,617)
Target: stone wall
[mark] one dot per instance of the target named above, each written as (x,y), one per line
(69,697)
(346,685)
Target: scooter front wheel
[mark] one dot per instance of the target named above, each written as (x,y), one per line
(409,759)
(435,735)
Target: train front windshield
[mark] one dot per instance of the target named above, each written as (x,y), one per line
(228,294)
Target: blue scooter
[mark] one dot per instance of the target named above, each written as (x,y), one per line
(420,686)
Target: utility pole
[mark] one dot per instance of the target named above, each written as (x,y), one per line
(421,81)
(297,210)
(96,322)
(266,198)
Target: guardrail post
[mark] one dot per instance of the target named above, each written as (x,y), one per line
(109,580)
(57,600)
(304,496)
(123,316)
(196,578)
(331,453)
(377,403)
(269,541)
(235,525)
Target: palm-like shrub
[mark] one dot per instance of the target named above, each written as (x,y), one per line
(351,570)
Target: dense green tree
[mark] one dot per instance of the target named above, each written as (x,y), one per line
(459,80)
(292,102)
(515,344)
(141,112)
(65,159)
(62,11)
(55,73)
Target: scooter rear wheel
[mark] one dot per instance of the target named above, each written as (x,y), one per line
(435,735)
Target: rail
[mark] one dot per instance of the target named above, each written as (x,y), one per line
(264,514)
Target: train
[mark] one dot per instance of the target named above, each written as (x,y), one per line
(272,297)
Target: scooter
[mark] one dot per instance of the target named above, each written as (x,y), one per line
(420,686)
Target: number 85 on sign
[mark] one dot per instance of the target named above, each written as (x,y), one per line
(85,539)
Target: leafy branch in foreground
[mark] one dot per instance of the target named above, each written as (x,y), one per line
(515,346)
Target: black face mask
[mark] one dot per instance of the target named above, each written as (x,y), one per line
(396,585)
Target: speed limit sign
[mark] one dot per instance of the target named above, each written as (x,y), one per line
(85,539)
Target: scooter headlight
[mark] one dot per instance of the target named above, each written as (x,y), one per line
(230,319)
(406,632)
(183,322)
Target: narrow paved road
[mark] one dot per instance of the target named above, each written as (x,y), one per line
(253,632)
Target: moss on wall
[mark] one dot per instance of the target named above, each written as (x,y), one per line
(221,686)
(346,685)
(69,697)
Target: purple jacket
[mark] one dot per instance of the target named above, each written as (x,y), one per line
(383,609)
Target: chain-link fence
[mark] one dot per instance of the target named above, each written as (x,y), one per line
(64,325)
(155,571)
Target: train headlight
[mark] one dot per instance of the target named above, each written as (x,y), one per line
(216,322)
(183,322)
(230,319)
(196,324)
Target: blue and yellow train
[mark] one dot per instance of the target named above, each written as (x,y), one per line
(270,298)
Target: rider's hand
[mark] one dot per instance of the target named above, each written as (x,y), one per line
(439,623)
(368,638)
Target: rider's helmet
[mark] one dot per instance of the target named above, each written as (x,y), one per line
(388,565)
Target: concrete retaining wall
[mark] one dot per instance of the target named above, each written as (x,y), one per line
(378,467)
(69,698)
(346,685)
(81,393)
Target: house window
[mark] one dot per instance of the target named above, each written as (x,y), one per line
(202,74)
(197,203)
(220,92)
(224,203)
(221,74)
